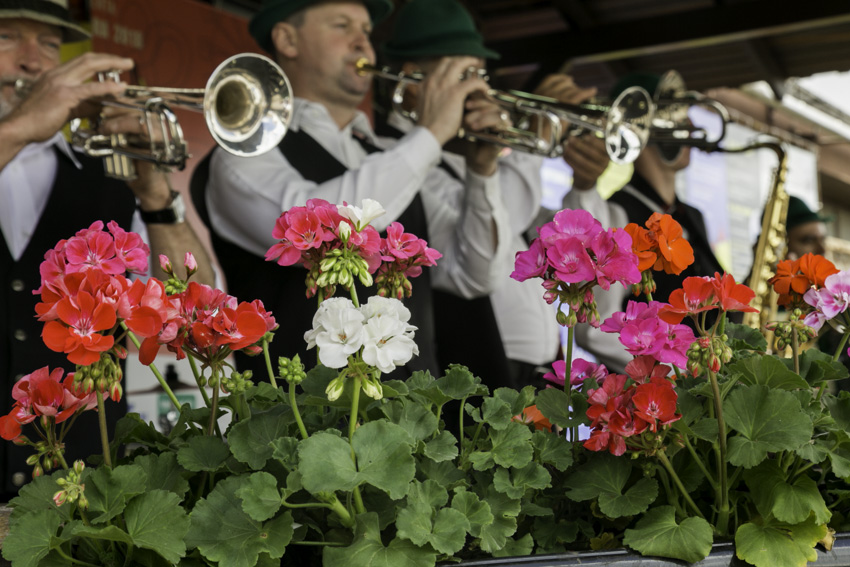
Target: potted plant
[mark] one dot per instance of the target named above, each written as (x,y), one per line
(707,438)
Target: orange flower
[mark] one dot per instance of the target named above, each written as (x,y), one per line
(532,416)
(795,277)
(675,252)
(642,246)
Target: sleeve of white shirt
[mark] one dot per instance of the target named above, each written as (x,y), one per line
(245,196)
(522,189)
(471,265)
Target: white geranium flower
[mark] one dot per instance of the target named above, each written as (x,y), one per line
(378,306)
(388,343)
(361,217)
(337,331)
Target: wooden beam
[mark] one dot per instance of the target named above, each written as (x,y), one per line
(671,32)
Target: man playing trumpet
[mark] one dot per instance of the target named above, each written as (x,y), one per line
(49,192)
(332,153)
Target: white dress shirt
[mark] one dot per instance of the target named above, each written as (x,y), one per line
(245,196)
(25,185)
(526,322)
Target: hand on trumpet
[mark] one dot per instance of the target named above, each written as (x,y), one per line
(588,158)
(484,114)
(54,97)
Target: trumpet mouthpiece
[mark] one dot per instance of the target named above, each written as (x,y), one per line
(362,65)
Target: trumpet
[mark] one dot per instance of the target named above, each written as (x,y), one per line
(247,106)
(671,125)
(624,124)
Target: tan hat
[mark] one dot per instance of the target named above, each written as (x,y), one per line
(53,12)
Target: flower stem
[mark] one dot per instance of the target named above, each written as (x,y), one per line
(295,411)
(678,482)
(795,349)
(841,345)
(723,508)
(213,407)
(268,358)
(198,374)
(568,377)
(698,461)
(104,435)
(352,427)
(163,384)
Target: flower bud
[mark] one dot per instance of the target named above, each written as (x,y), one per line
(344,231)
(372,388)
(190,264)
(335,389)
(60,497)
(116,391)
(165,264)
(79,467)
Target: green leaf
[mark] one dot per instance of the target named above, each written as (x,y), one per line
(417,420)
(107,533)
(108,490)
(839,459)
(657,533)
(446,473)
(260,496)
(459,383)
(604,477)
(518,400)
(817,366)
(516,482)
(203,453)
(476,512)
(325,463)
(444,530)
(706,429)
(768,371)
(367,549)
(496,412)
(131,429)
(30,539)
(449,532)
(553,449)
(250,439)
(790,503)
(775,544)
(512,446)
(429,493)
(743,337)
(162,472)
(554,403)
(37,495)
(768,421)
(285,450)
(384,457)
(635,500)
(505,510)
(839,409)
(442,448)
(223,532)
(156,520)
(517,547)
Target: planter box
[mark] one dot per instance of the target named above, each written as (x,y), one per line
(722,555)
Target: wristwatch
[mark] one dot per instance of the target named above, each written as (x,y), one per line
(174,213)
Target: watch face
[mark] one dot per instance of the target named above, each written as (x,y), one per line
(179,208)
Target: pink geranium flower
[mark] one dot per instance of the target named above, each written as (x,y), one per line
(570,261)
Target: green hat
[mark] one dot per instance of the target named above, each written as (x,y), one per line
(434,28)
(648,81)
(52,12)
(274,11)
(800,213)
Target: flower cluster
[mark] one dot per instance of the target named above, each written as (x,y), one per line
(829,301)
(336,244)
(573,254)
(643,331)
(794,278)
(379,331)
(659,246)
(622,409)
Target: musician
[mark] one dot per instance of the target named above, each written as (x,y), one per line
(332,153)
(49,192)
(653,189)
(805,230)
(502,338)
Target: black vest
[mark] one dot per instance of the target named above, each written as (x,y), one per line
(282,289)
(78,198)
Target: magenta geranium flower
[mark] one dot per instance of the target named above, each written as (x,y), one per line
(530,263)
(571,224)
(570,261)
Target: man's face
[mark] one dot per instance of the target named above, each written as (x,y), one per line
(331,39)
(805,238)
(27,49)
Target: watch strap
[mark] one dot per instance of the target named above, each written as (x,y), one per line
(172,214)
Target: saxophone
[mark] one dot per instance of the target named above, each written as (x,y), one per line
(770,248)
